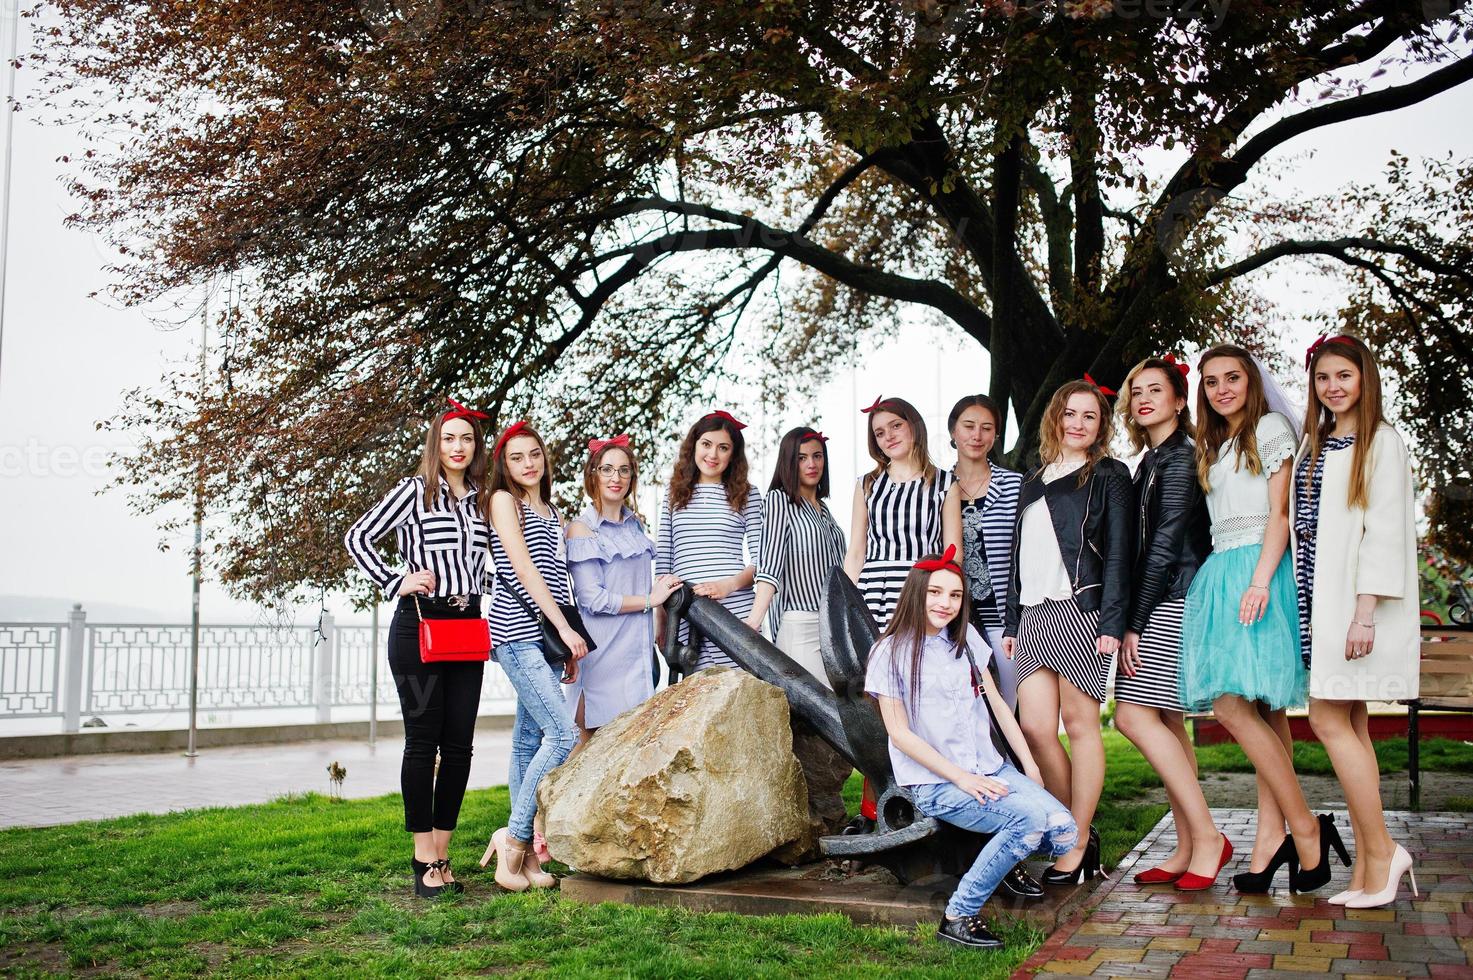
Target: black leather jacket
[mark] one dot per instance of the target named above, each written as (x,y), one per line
(1175,531)
(1094,525)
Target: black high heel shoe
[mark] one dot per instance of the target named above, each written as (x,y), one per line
(444,865)
(1088,868)
(1258,882)
(421,868)
(1308,880)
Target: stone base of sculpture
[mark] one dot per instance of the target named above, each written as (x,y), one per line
(701,778)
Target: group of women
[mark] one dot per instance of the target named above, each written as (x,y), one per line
(1215,577)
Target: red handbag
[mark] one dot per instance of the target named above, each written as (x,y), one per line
(442,640)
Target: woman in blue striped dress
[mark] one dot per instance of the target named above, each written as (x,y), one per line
(532,568)
(711,510)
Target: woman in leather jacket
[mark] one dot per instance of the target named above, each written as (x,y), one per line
(1173,538)
(1068,597)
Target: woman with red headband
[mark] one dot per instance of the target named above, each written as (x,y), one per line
(928,671)
(441,534)
(1067,601)
(801,545)
(711,510)
(528,549)
(1173,537)
(901,510)
(612,561)
(1355,552)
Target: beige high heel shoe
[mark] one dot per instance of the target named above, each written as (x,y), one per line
(510,854)
(532,868)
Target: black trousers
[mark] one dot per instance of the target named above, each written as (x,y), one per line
(439,702)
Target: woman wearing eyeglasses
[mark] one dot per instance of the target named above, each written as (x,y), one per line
(612,562)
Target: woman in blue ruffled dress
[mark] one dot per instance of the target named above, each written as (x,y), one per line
(611,559)
(1240,630)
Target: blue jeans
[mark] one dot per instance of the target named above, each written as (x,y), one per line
(544,733)
(1027,818)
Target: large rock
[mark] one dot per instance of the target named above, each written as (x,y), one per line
(700,778)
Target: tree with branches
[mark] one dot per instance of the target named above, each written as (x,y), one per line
(601,209)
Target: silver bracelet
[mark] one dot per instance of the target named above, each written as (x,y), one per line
(1369,626)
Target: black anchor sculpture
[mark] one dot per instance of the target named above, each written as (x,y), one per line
(911,846)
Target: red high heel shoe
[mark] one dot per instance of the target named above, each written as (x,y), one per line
(1156,876)
(1200,883)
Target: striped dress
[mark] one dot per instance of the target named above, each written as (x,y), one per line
(801,545)
(1307,483)
(702,542)
(510,622)
(904,523)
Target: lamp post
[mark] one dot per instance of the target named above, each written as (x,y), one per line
(199,522)
(12,19)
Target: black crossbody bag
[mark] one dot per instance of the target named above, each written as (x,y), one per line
(554,650)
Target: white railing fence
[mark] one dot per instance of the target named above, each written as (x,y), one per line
(74,669)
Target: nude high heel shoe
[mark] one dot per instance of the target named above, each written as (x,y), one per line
(1401,864)
(532,868)
(510,854)
(1340,898)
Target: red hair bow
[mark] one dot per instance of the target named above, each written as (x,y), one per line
(1181,368)
(1103,389)
(1322,341)
(946,561)
(459,411)
(594,445)
(878,404)
(721,413)
(511,430)
(811,435)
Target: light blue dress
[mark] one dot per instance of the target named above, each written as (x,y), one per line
(616,561)
(1219,655)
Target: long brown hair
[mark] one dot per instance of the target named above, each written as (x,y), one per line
(683,480)
(1369,414)
(431,470)
(502,480)
(1051,430)
(1212,426)
(920,456)
(1175,380)
(590,476)
(908,624)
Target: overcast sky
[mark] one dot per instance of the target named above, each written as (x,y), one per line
(68,357)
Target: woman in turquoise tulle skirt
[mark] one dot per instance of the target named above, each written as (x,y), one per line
(1240,630)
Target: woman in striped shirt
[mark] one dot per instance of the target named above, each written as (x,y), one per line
(441,533)
(527,547)
(710,510)
(801,545)
(987,495)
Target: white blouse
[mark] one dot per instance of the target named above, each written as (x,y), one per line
(1041,571)
(1238,501)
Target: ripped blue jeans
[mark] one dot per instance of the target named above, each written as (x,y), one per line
(1020,823)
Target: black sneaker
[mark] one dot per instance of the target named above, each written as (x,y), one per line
(1020,884)
(969,931)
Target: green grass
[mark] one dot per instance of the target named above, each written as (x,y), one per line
(308,886)
(1310,758)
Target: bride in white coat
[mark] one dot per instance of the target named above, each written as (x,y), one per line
(1355,550)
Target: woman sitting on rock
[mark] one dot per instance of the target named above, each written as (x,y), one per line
(928,671)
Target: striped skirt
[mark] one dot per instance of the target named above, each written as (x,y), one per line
(1156,682)
(880,583)
(1054,635)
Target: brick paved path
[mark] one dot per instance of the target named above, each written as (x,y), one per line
(1128,930)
